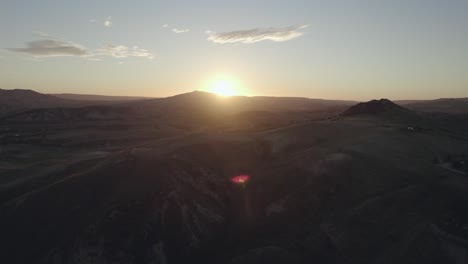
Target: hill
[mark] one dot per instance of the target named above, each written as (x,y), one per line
(17,100)
(375,107)
(203,100)
(344,191)
(197,110)
(444,105)
(99,98)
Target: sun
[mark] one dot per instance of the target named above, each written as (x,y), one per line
(224,88)
(225,85)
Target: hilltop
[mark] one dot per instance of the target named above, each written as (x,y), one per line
(17,100)
(375,107)
(99,98)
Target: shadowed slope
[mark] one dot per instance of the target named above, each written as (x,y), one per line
(375,107)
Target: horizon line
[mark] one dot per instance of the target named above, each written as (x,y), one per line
(250,96)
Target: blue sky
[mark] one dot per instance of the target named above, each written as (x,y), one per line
(350,49)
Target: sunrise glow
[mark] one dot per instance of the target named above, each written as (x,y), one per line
(224,88)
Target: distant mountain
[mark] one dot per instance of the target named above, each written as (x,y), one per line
(17,100)
(194,111)
(375,107)
(61,114)
(444,105)
(198,100)
(99,98)
(201,109)
(30,105)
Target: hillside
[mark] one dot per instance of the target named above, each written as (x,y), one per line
(199,100)
(17,100)
(319,192)
(197,110)
(448,105)
(99,98)
(376,107)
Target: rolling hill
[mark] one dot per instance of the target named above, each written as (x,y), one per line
(151,182)
(321,192)
(98,98)
(375,107)
(445,105)
(17,100)
(196,110)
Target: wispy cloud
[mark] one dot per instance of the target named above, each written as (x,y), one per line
(178,31)
(41,34)
(121,51)
(256,35)
(108,22)
(52,48)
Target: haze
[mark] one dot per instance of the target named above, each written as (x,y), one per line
(355,50)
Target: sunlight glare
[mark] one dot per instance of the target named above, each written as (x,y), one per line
(224,88)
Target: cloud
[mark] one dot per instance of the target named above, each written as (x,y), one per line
(42,34)
(256,35)
(108,22)
(52,48)
(178,31)
(121,51)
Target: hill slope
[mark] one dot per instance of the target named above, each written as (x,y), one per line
(344,191)
(375,107)
(18,100)
(99,98)
(197,110)
(445,105)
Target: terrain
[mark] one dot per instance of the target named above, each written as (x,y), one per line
(98,98)
(17,100)
(150,181)
(443,105)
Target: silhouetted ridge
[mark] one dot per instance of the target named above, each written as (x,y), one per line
(17,100)
(21,92)
(194,94)
(374,107)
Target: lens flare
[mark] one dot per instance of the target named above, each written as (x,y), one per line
(241,179)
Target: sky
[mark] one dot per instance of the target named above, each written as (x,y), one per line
(348,49)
